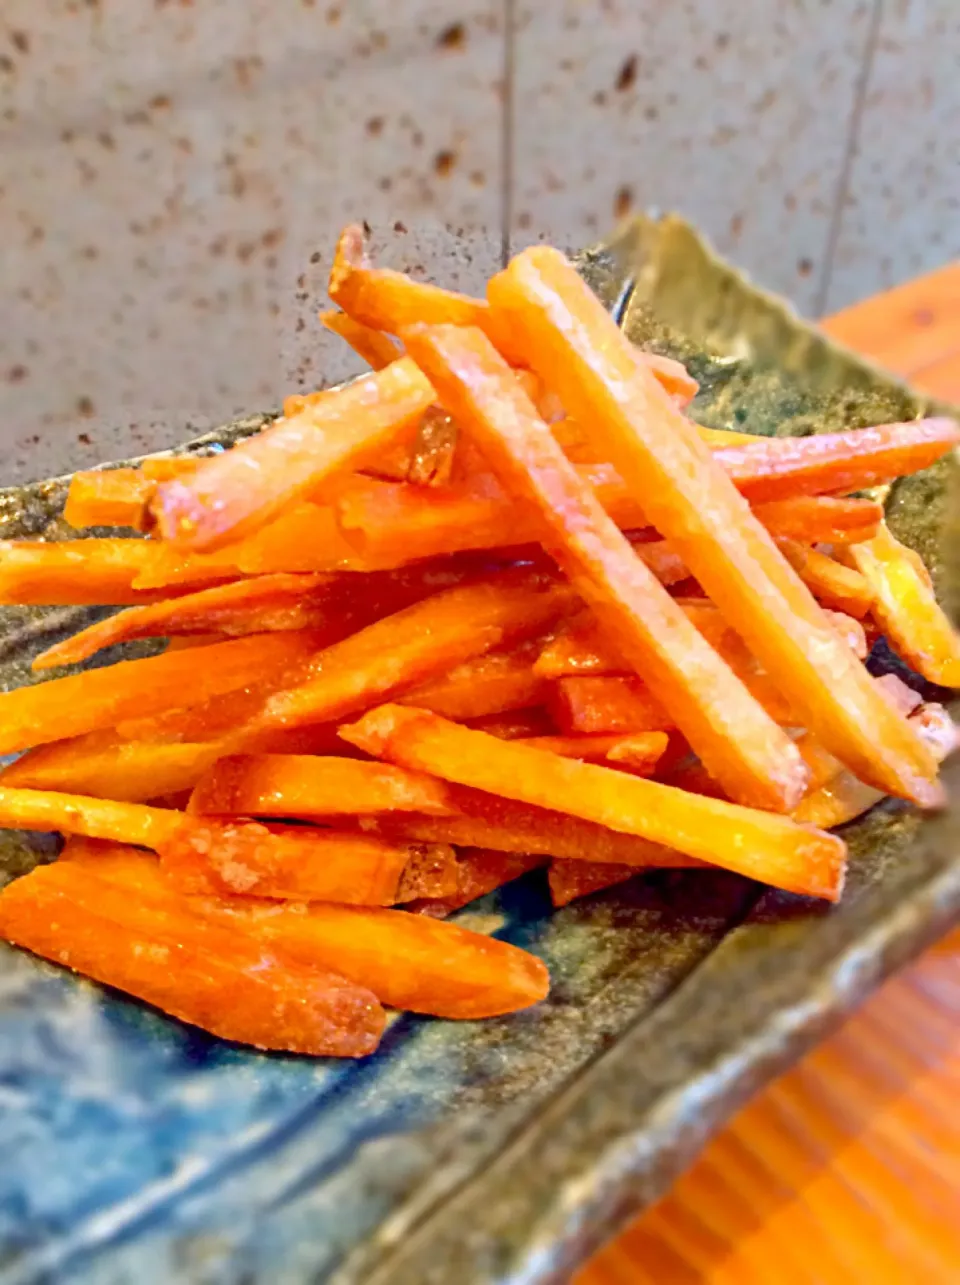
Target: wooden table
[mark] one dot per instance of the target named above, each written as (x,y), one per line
(846,1170)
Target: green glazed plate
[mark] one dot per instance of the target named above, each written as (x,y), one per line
(137,1151)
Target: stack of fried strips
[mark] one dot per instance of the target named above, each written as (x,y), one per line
(498,603)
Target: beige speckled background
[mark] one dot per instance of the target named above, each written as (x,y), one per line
(172,172)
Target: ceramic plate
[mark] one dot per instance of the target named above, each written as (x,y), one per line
(138,1151)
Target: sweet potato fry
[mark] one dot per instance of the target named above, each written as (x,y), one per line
(830,582)
(516,724)
(242,489)
(376,348)
(905,607)
(641,753)
(479,871)
(606,705)
(416,643)
(262,604)
(103,571)
(162,468)
(213,975)
(851,631)
(99,698)
(820,519)
(730,731)
(769,468)
(310,786)
(843,797)
(387,300)
(495,683)
(296,863)
(757,844)
(491,821)
(693,503)
(109,497)
(672,376)
(128,771)
(408,961)
(95,818)
(569,880)
(387,523)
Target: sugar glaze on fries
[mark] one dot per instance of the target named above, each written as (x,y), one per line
(499,604)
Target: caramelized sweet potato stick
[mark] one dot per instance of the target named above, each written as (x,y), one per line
(95,818)
(569,880)
(607,705)
(820,519)
(693,503)
(109,497)
(127,771)
(770,468)
(479,871)
(262,604)
(672,376)
(905,607)
(491,684)
(242,489)
(757,844)
(830,582)
(843,797)
(641,752)
(408,961)
(730,731)
(214,975)
(376,348)
(161,468)
(417,643)
(62,707)
(103,571)
(296,863)
(311,786)
(491,821)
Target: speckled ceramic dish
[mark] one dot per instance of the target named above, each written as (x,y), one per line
(137,1151)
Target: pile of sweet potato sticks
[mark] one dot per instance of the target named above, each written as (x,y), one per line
(498,603)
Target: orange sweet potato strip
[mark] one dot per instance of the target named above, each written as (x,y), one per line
(99,698)
(212,975)
(607,705)
(100,570)
(242,489)
(641,752)
(572,340)
(485,820)
(416,643)
(109,497)
(161,468)
(495,683)
(758,844)
(312,786)
(731,732)
(408,961)
(296,863)
(377,349)
(843,797)
(769,468)
(391,522)
(130,772)
(569,880)
(820,519)
(830,582)
(95,818)
(905,607)
(262,604)
(479,871)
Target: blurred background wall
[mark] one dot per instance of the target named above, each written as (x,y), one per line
(173,173)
